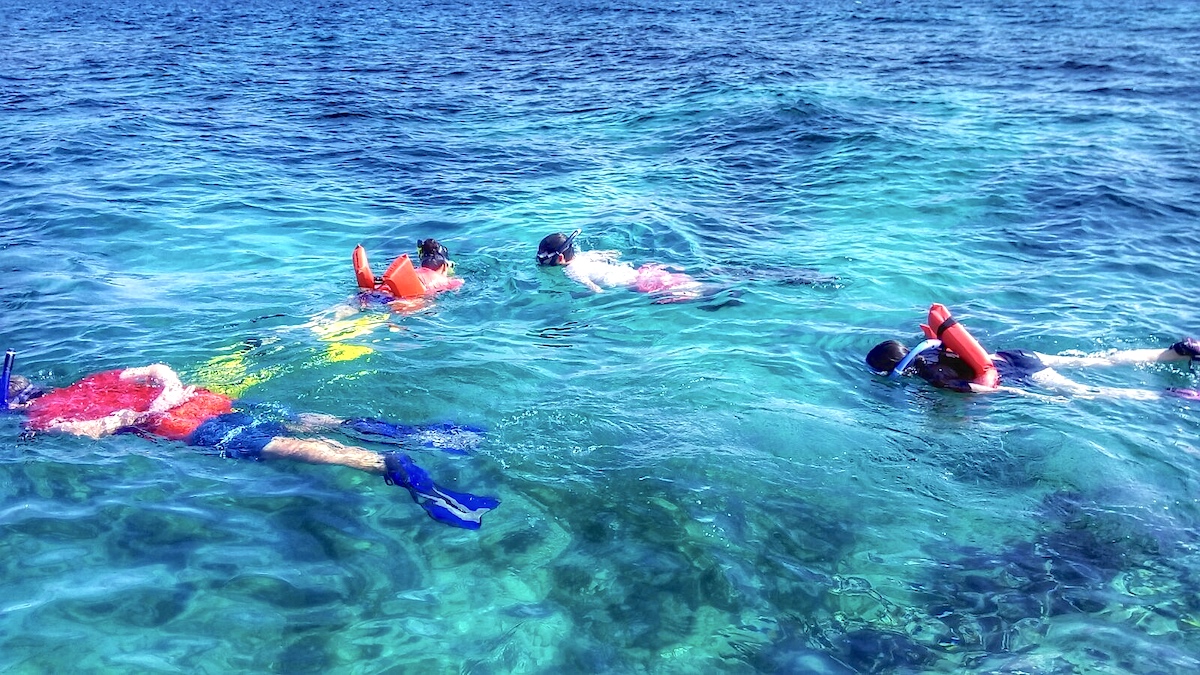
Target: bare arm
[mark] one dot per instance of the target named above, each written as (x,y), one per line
(173,392)
(977,388)
(984,389)
(105,426)
(1030,394)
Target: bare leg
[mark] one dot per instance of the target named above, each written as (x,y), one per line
(460,509)
(1051,379)
(324,451)
(313,422)
(1126,357)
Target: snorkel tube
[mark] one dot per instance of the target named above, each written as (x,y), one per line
(912,354)
(569,242)
(549,256)
(5,377)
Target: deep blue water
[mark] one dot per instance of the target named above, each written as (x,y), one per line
(684,490)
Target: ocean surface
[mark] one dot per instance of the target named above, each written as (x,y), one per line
(710,486)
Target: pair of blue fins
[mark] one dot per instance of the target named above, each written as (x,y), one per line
(458,509)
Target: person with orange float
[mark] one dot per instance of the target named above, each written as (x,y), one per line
(402,281)
(951,358)
(402,289)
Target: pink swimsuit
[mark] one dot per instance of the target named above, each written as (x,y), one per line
(673,286)
(652,278)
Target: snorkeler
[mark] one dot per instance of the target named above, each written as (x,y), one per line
(403,281)
(951,358)
(401,289)
(599,270)
(152,400)
(436,267)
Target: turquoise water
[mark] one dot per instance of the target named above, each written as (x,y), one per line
(683,490)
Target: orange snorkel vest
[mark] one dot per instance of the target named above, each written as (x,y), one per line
(400,280)
(956,338)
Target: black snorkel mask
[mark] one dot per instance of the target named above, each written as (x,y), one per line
(551,257)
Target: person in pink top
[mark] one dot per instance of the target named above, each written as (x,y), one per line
(402,281)
(600,270)
(408,285)
(436,267)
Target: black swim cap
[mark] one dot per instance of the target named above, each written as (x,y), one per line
(21,390)
(434,262)
(884,356)
(555,245)
(433,255)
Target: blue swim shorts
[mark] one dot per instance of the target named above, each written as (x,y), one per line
(1017,365)
(237,435)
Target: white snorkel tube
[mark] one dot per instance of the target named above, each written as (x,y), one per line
(912,354)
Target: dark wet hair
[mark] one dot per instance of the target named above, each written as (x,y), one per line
(21,390)
(433,255)
(554,245)
(884,356)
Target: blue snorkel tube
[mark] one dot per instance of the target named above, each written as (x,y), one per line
(5,377)
(911,356)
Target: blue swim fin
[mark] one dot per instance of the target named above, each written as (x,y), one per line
(459,509)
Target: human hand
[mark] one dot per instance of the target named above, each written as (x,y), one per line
(155,371)
(173,394)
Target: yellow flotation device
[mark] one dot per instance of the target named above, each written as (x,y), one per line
(230,374)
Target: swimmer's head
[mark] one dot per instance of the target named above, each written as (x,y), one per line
(434,256)
(21,391)
(884,356)
(557,249)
